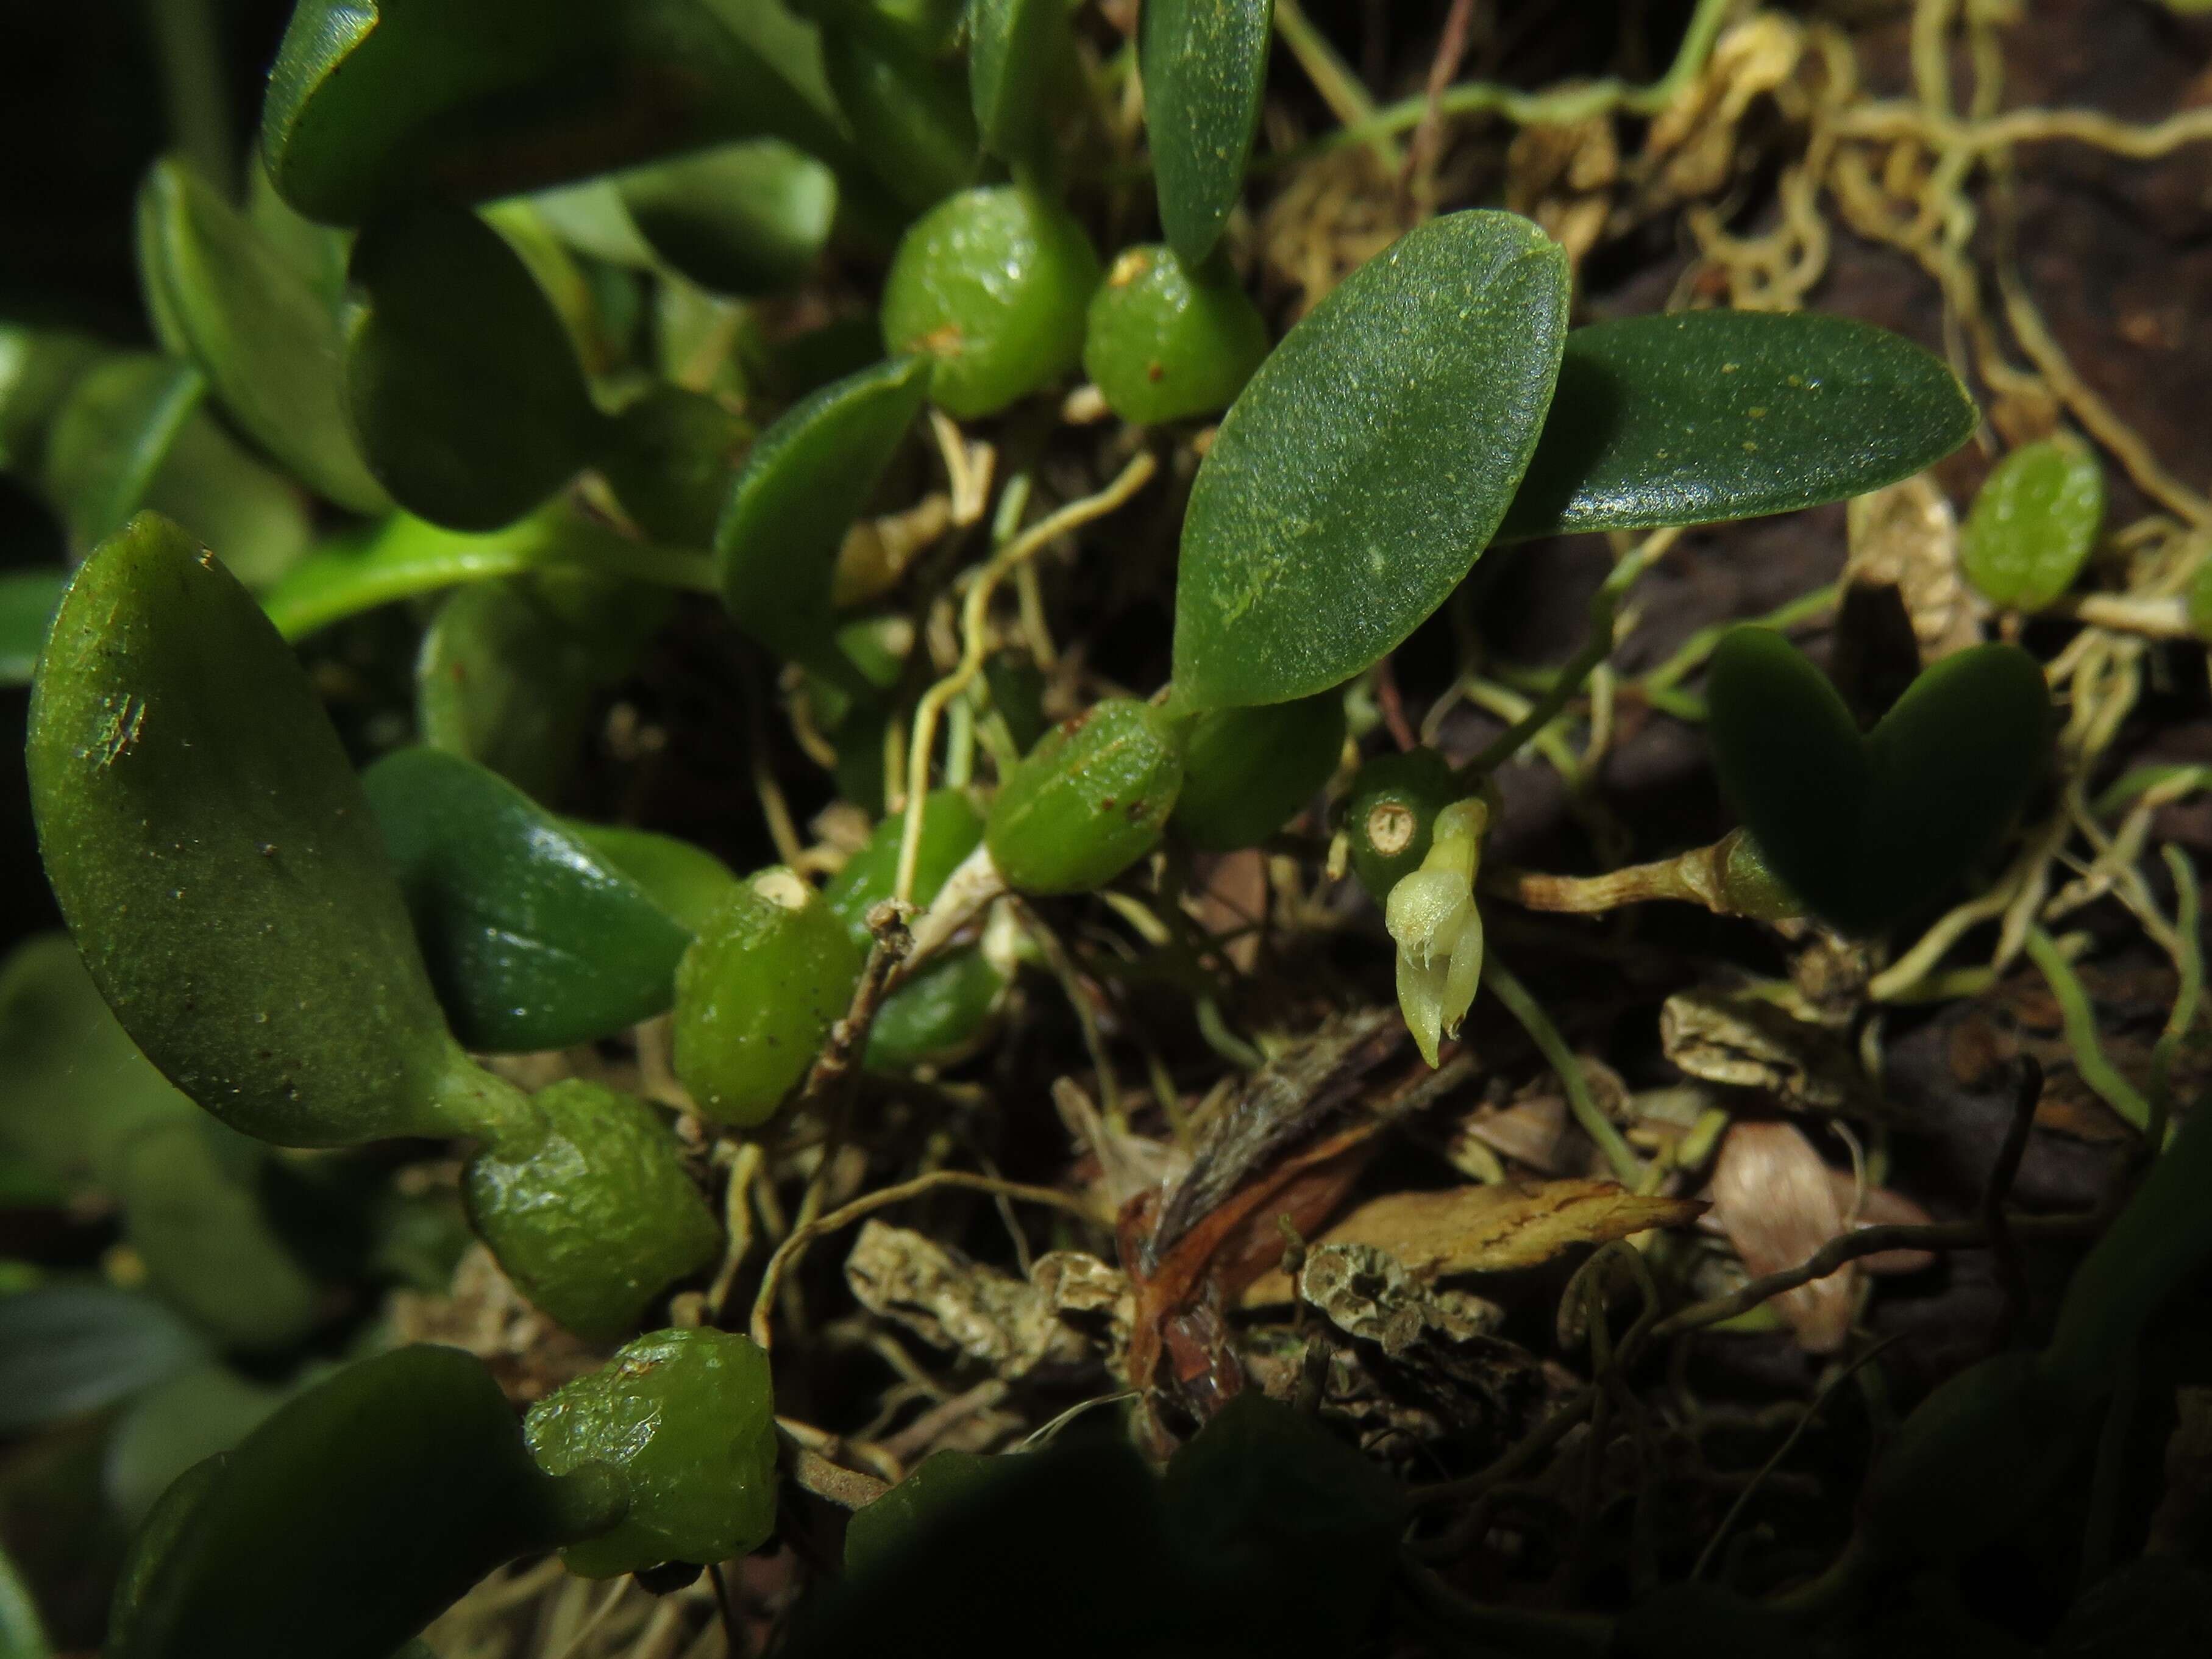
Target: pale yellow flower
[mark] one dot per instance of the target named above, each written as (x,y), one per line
(1432,916)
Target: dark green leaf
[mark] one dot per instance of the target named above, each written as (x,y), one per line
(2033,524)
(470,100)
(198,1225)
(1369,462)
(218,864)
(66,1349)
(267,342)
(2156,1606)
(110,438)
(1869,830)
(746,219)
(688,1416)
(1015,47)
(180,1420)
(804,483)
(532,941)
(23,1634)
(933,1489)
(1701,416)
(459,375)
(1205,65)
(585,1203)
(1249,771)
(349,1519)
(501,681)
(912,116)
(28,600)
(670,459)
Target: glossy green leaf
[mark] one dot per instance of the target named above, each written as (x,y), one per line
(1204,66)
(110,438)
(1368,463)
(688,1416)
(350,1518)
(184,1418)
(404,556)
(459,375)
(2033,524)
(218,865)
(78,1090)
(210,1249)
(911,114)
(687,882)
(498,681)
(28,600)
(1698,417)
(745,219)
(267,342)
(804,481)
(935,1489)
(373,103)
(670,459)
(1089,801)
(38,367)
(69,1348)
(586,1203)
(531,942)
(1249,771)
(1015,47)
(756,996)
(992,286)
(1869,830)
(1164,343)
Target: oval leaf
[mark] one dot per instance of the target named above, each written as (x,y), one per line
(266,341)
(803,484)
(2033,524)
(111,435)
(913,117)
(1367,465)
(532,940)
(28,600)
(216,861)
(499,682)
(469,99)
(1869,830)
(459,376)
(687,882)
(66,1349)
(1014,48)
(1205,65)
(1702,416)
(743,219)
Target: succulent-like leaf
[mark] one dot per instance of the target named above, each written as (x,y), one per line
(804,481)
(267,342)
(1205,65)
(110,438)
(217,862)
(1368,463)
(459,377)
(687,882)
(2033,524)
(747,219)
(1700,415)
(532,941)
(1868,830)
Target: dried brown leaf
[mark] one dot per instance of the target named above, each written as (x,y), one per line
(1774,1198)
(1492,1229)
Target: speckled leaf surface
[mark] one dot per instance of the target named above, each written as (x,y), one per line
(1205,65)
(1699,417)
(1367,465)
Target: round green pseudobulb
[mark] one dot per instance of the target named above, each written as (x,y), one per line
(1250,770)
(586,1205)
(994,285)
(1089,801)
(756,994)
(1389,814)
(690,1418)
(936,1012)
(2033,524)
(1164,343)
(350,1518)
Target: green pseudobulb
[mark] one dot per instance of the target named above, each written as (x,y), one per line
(688,1418)
(1163,342)
(1089,801)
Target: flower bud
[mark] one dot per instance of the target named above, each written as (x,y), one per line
(1432,915)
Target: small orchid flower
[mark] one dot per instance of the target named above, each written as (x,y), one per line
(1432,915)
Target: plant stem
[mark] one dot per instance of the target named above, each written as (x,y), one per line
(2081,1021)
(1339,88)
(1509,989)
